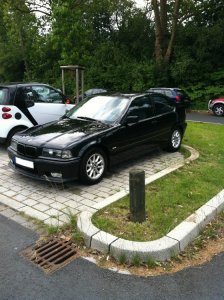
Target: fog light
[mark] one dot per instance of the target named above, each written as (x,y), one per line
(56,175)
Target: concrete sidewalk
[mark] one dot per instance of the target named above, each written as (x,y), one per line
(53,203)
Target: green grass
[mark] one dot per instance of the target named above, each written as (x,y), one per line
(172,198)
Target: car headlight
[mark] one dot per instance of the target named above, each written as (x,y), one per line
(55,153)
(13,145)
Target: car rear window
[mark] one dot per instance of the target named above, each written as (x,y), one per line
(4,96)
(168,93)
(158,91)
(181,93)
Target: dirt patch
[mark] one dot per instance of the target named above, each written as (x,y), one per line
(171,266)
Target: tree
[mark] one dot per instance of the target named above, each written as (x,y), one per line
(165,32)
(16,41)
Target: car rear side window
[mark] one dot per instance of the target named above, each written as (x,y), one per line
(4,100)
(162,105)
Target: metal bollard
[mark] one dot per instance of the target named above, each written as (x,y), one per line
(137,195)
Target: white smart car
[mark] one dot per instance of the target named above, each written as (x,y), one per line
(28,104)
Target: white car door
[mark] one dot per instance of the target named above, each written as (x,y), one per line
(49,104)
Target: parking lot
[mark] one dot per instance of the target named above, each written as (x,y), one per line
(54,203)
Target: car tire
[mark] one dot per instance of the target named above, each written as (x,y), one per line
(93,166)
(174,141)
(218,110)
(12,133)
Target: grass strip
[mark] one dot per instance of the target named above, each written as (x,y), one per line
(171,199)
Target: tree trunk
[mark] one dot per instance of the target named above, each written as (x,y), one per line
(164,41)
(158,32)
(23,48)
(169,51)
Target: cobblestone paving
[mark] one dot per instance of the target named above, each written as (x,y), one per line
(54,203)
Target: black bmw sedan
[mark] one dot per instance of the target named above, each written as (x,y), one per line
(95,134)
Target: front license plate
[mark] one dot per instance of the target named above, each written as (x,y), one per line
(24,163)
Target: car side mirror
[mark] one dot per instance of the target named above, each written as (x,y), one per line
(131,120)
(29,103)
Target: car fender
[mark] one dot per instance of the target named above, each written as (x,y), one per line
(218,101)
(91,144)
(96,143)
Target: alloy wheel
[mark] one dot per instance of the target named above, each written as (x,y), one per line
(95,166)
(176,139)
(219,110)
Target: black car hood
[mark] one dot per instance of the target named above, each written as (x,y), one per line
(60,133)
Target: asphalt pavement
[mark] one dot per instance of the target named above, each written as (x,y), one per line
(81,279)
(204,116)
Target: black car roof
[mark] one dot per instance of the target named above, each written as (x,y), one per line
(129,95)
(123,94)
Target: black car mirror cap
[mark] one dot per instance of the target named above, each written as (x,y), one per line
(129,120)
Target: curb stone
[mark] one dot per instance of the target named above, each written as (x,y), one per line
(161,249)
(13,215)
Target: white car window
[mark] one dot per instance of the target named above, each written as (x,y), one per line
(47,95)
(3,96)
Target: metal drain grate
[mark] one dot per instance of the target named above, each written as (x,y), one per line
(52,254)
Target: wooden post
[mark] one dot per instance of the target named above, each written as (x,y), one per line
(82,79)
(63,81)
(77,85)
(79,72)
(137,195)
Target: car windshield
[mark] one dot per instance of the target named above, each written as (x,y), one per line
(3,96)
(106,109)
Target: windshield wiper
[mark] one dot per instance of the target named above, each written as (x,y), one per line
(65,117)
(90,119)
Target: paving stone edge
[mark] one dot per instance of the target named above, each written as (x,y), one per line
(161,249)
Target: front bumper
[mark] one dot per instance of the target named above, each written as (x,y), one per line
(43,168)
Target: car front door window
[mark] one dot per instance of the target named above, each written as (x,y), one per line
(142,108)
(49,104)
(139,131)
(47,94)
